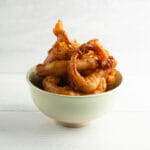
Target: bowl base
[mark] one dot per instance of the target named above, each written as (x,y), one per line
(72,125)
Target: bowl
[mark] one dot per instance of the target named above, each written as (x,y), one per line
(72,111)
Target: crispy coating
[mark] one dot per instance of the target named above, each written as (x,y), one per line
(63,48)
(59,67)
(60,51)
(60,33)
(50,84)
(74,69)
(111,79)
(102,87)
(95,46)
(85,84)
(106,61)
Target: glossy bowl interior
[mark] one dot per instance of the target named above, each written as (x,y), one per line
(71,111)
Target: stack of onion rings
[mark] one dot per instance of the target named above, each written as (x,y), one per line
(74,69)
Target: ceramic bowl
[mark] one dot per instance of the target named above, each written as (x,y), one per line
(71,111)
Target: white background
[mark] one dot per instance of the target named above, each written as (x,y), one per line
(123,27)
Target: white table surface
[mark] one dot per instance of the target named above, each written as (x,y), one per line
(117,130)
(123,27)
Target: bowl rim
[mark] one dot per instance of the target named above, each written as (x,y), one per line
(61,95)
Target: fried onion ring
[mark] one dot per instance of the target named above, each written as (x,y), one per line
(85,84)
(64,47)
(50,84)
(74,69)
(101,87)
(95,46)
(106,61)
(59,67)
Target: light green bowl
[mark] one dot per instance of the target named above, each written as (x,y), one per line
(72,111)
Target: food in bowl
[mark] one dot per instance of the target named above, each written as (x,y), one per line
(76,69)
(72,111)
